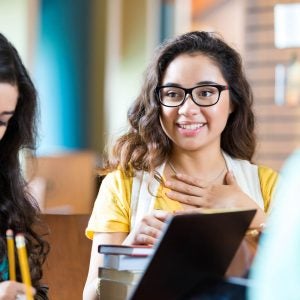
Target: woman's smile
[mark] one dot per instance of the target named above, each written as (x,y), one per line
(190,129)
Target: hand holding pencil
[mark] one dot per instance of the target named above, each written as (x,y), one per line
(12,288)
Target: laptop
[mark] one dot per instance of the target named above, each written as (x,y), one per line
(193,248)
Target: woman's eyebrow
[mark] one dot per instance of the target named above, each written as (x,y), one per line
(206,82)
(5,113)
(171,84)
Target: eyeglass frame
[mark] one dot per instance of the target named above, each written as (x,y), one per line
(219,87)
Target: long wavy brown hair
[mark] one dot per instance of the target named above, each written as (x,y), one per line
(18,209)
(145,146)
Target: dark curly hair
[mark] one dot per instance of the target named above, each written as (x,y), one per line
(146,146)
(18,209)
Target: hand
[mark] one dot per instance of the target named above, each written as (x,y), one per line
(11,290)
(194,194)
(149,229)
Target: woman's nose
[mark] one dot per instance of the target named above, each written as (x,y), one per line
(189,107)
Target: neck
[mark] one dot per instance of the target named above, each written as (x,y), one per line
(206,166)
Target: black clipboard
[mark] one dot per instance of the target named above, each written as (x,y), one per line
(193,248)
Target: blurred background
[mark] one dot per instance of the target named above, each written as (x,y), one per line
(87,57)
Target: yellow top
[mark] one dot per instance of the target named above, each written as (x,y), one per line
(112,213)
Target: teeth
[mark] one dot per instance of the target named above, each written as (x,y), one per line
(191,126)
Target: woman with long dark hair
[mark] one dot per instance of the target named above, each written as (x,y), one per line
(18,209)
(189,147)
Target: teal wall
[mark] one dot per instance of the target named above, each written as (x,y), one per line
(61,75)
(166,20)
(72,71)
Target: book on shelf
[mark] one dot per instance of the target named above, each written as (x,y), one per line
(125,250)
(125,262)
(192,249)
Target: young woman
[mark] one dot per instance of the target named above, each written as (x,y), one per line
(189,147)
(18,210)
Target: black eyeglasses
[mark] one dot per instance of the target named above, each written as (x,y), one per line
(202,95)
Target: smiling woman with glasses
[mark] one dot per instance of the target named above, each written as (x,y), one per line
(189,147)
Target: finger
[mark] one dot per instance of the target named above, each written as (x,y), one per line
(21,290)
(150,231)
(230,179)
(186,207)
(12,288)
(143,239)
(195,201)
(153,222)
(184,188)
(161,215)
(21,297)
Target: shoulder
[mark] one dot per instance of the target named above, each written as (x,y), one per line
(267,174)
(268,181)
(112,206)
(117,179)
(264,172)
(116,186)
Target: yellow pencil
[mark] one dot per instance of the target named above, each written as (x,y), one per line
(23,261)
(11,254)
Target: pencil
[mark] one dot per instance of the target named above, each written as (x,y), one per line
(23,261)
(11,254)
